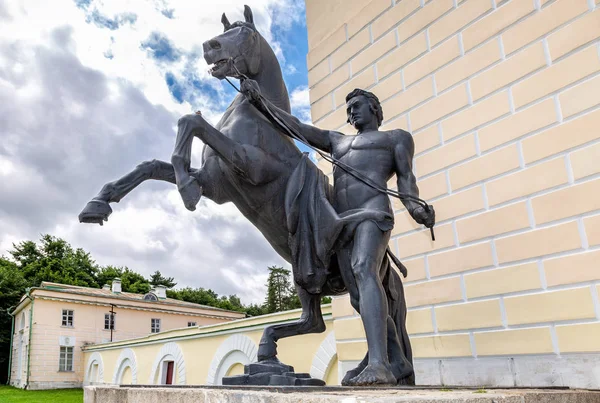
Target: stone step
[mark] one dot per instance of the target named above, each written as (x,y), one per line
(295,394)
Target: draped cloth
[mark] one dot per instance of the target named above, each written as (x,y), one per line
(316,230)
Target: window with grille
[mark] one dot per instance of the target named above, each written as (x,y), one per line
(66,359)
(155,326)
(150,297)
(67,317)
(191,324)
(109,322)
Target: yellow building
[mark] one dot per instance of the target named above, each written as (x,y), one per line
(503,101)
(198,356)
(54,321)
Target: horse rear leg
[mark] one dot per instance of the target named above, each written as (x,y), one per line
(311,321)
(98,209)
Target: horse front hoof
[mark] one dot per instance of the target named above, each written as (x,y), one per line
(190,192)
(267,351)
(95,212)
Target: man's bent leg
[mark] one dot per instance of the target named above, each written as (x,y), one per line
(369,247)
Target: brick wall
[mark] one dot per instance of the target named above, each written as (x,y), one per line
(503,101)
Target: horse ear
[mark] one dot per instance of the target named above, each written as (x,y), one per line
(225,22)
(248,15)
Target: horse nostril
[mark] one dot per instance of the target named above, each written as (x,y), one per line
(214,44)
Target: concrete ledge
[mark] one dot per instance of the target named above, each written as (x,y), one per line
(578,371)
(203,394)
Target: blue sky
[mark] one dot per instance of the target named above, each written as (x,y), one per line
(91,88)
(292,41)
(294,44)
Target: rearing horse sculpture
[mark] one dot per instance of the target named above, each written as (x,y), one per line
(248,161)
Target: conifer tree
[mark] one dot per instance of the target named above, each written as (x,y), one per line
(281,296)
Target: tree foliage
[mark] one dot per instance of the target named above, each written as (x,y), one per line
(280,294)
(157,279)
(208,297)
(54,260)
(12,287)
(130,280)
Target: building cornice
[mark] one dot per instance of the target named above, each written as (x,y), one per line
(141,342)
(127,303)
(131,307)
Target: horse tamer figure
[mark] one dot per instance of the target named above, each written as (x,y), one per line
(250,161)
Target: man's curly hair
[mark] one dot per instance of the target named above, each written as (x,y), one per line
(374,103)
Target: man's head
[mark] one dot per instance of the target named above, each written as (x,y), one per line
(361,107)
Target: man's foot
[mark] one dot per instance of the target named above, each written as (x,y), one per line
(191,192)
(95,212)
(375,374)
(352,374)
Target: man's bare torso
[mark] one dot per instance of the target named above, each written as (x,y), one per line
(372,154)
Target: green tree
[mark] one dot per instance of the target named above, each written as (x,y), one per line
(209,297)
(255,310)
(236,302)
(106,274)
(281,296)
(158,279)
(25,253)
(12,287)
(54,260)
(196,295)
(131,281)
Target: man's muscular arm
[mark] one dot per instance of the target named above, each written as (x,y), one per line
(316,137)
(407,182)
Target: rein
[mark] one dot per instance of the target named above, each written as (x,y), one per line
(293,133)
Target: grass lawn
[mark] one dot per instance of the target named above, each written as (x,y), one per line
(9,394)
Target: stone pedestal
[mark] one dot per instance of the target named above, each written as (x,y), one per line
(272,373)
(308,394)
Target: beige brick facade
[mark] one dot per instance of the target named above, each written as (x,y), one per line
(503,100)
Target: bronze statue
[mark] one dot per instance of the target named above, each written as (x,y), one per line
(378,155)
(248,161)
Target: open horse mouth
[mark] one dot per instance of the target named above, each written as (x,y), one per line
(219,68)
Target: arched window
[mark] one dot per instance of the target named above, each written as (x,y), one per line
(150,297)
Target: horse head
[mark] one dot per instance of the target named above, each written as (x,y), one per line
(237,50)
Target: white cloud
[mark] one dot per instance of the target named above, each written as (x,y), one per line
(300,103)
(74,119)
(287,12)
(194,22)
